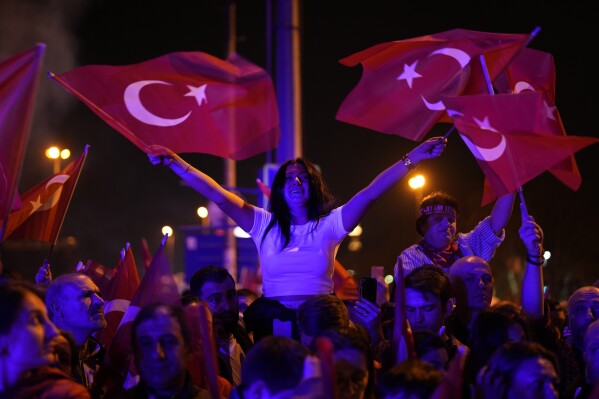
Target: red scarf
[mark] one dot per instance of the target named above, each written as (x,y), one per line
(442,257)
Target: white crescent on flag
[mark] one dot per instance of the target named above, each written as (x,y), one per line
(139,112)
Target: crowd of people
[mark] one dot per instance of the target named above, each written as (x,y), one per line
(297,338)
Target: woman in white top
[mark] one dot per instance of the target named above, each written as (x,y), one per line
(297,237)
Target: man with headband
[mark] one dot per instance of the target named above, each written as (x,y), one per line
(441,245)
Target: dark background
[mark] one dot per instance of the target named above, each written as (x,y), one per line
(121,197)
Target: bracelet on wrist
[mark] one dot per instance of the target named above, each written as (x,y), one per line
(537,261)
(408,163)
(185,171)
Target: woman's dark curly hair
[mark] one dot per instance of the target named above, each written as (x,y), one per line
(320,203)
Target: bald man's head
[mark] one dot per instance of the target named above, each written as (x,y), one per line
(582,309)
(472,282)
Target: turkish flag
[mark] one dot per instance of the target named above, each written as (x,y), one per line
(512,136)
(123,288)
(19,79)
(44,206)
(403,81)
(403,340)
(157,285)
(534,70)
(186,101)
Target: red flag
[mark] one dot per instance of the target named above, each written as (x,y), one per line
(344,284)
(403,81)
(157,285)
(101,275)
(403,340)
(45,205)
(187,101)
(325,350)
(123,288)
(19,79)
(512,137)
(534,70)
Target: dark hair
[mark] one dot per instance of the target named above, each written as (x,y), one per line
(210,273)
(322,312)
(508,358)
(435,198)
(430,278)
(413,378)
(490,332)
(276,360)
(12,295)
(151,310)
(320,203)
(352,338)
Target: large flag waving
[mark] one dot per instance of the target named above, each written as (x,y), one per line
(45,205)
(187,101)
(403,81)
(157,285)
(534,70)
(19,79)
(512,136)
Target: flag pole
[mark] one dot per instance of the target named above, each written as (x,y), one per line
(85,151)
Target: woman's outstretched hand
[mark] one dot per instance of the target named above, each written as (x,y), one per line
(431,148)
(160,155)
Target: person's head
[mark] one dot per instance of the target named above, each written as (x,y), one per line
(527,370)
(582,309)
(437,220)
(591,353)
(161,347)
(410,379)
(273,367)
(431,348)
(26,332)
(491,329)
(319,313)
(471,283)
(427,293)
(245,296)
(353,359)
(75,305)
(299,182)
(215,286)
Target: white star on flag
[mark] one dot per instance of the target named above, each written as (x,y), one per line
(485,124)
(198,92)
(35,205)
(409,73)
(549,110)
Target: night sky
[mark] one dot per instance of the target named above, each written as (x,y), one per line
(121,197)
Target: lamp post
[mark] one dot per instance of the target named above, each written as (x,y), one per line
(203,214)
(416,183)
(56,154)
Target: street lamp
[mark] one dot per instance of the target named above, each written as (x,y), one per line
(56,154)
(203,214)
(416,183)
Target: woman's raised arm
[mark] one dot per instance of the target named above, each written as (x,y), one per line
(231,204)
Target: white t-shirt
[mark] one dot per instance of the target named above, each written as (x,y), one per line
(306,265)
